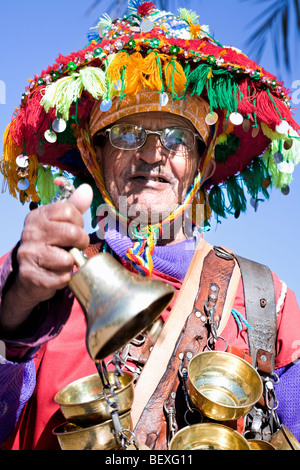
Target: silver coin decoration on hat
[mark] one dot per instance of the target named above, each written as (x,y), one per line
(211,118)
(106,105)
(22,161)
(146,26)
(163,99)
(59,125)
(236,118)
(23,184)
(50,136)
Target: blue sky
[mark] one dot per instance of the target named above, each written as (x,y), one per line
(33,33)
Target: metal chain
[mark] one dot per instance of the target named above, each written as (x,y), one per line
(214,337)
(112,404)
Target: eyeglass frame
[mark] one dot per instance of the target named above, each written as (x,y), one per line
(196,136)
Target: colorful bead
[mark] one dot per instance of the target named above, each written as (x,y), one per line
(154,43)
(97,51)
(72,66)
(174,50)
(146,26)
(131,43)
(119,44)
(54,74)
(236,118)
(89,56)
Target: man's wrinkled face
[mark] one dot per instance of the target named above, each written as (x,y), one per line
(152,180)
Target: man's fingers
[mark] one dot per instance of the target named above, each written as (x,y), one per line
(56,233)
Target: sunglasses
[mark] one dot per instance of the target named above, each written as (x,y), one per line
(131,137)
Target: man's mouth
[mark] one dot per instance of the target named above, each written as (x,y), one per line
(144,178)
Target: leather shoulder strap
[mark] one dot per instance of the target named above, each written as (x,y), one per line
(260,307)
(189,339)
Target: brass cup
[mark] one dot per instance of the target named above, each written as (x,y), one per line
(98,437)
(208,436)
(224,386)
(82,402)
(283,439)
(257,444)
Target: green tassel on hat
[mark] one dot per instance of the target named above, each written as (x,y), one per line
(216,201)
(236,196)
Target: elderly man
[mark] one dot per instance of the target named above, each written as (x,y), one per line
(160,115)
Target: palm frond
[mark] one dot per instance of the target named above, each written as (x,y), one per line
(275,23)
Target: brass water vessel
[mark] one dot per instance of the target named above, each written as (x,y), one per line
(82,402)
(98,437)
(222,385)
(284,439)
(208,436)
(258,444)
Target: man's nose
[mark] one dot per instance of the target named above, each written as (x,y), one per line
(153,150)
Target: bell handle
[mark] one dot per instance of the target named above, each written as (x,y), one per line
(78,257)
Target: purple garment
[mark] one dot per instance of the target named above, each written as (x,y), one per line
(17,383)
(288,396)
(172,260)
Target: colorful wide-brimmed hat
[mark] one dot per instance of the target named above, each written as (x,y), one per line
(155,60)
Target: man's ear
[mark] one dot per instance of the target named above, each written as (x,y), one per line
(209,170)
(99,153)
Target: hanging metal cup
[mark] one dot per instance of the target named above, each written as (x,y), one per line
(283,439)
(83,402)
(222,385)
(208,436)
(258,444)
(98,437)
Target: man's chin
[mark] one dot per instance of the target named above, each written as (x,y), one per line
(150,213)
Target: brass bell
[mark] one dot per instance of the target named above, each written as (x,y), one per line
(118,305)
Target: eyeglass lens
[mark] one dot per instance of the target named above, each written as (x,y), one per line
(130,137)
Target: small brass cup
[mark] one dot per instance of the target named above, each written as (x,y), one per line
(208,436)
(283,439)
(82,402)
(257,444)
(224,386)
(98,437)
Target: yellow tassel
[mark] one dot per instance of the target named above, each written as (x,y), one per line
(195,31)
(174,76)
(137,72)
(153,69)
(115,68)
(9,167)
(210,74)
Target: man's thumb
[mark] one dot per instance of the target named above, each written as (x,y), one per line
(82,198)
